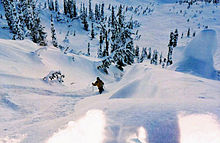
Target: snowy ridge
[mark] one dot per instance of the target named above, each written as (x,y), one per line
(198,55)
(157,104)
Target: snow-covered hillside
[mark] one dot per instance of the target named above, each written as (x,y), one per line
(143,103)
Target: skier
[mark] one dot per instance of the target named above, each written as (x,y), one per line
(99,83)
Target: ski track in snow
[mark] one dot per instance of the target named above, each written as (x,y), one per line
(26,117)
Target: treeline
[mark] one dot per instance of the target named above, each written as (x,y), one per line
(191,2)
(116,32)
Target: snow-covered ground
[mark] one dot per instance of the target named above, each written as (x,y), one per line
(148,104)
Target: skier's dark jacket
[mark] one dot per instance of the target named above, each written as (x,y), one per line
(99,83)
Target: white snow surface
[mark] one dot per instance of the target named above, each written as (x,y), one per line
(198,55)
(142,104)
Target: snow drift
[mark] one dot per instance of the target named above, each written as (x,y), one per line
(88,129)
(198,55)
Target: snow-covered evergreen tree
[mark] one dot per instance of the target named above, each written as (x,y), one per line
(91,15)
(74,9)
(37,30)
(51,5)
(137,49)
(175,38)
(53,33)
(97,14)
(154,57)
(170,51)
(29,16)
(100,51)
(188,33)
(70,8)
(88,52)
(65,7)
(194,34)
(21,9)
(8,12)
(143,54)
(161,58)
(84,18)
(113,17)
(56,6)
(149,54)
(102,12)
(106,48)
(92,31)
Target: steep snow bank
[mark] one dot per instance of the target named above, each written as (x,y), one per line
(198,55)
(154,99)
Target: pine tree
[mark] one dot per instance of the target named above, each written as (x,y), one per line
(53,32)
(120,18)
(105,51)
(74,9)
(70,8)
(81,9)
(175,38)
(90,11)
(37,31)
(65,6)
(161,58)
(21,11)
(100,38)
(188,33)
(84,18)
(14,18)
(56,6)
(131,24)
(51,5)
(149,54)
(29,17)
(143,54)
(109,7)
(6,5)
(113,17)
(154,58)
(92,32)
(170,51)
(194,34)
(85,23)
(137,54)
(97,15)
(18,25)
(100,51)
(102,12)
(88,49)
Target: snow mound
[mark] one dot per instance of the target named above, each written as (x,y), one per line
(127,91)
(88,129)
(198,55)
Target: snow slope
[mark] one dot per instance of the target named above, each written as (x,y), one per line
(159,102)
(29,107)
(198,55)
